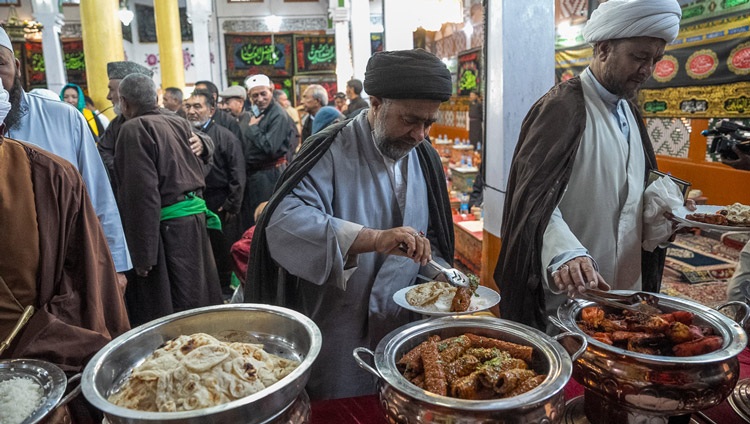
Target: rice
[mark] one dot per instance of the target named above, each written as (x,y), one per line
(19,398)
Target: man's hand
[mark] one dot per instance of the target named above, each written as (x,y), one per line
(142,272)
(196,145)
(577,275)
(122,283)
(401,241)
(743,161)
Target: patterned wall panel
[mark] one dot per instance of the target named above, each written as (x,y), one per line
(670,136)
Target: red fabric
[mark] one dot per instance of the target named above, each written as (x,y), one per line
(366,409)
(241,252)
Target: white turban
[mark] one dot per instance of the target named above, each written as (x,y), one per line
(634,18)
(5,40)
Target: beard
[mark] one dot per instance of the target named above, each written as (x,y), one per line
(392,148)
(117,109)
(613,82)
(14,97)
(198,124)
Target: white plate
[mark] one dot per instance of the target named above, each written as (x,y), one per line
(486,299)
(681,212)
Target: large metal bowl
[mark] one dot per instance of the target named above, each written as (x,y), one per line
(282,331)
(621,386)
(403,402)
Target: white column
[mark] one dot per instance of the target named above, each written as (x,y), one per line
(200,14)
(54,66)
(515,80)
(339,13)
(361,28)
(398,22)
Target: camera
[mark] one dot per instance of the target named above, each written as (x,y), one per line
(727,136)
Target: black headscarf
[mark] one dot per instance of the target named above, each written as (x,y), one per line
(408,74)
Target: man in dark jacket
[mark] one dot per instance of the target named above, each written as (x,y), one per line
(356,102)
(225,182)
(266,140)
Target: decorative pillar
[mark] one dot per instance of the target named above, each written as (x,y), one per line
(398,24)
(200,14)
(52,21)
(361,47)
(169,36)
(515,80)
(339,13)
(102,43)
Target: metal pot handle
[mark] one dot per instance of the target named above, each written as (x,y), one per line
(556,322)
(362,363)
(742,306)
(73,393)
(584,344)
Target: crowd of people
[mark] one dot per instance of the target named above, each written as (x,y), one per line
(115,224)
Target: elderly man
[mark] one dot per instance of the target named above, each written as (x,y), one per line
(173,100)
(585,141)
(339,256)
(116,71)
(221,117)
(54,258)
(266,140)
(164,215)
(225,182)
(234,99)
(313,98)
(62,130)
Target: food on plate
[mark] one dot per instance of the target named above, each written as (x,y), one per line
(198,371)
(470,367)
(439,296)
(669,334)
(736,214)
(19,398)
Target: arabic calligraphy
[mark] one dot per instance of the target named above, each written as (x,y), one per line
(737,104)
(321,53)
(74,61)
(655,106)
(251,54)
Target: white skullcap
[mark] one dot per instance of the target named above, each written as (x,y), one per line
(259,80)
(5,40)
(634,18)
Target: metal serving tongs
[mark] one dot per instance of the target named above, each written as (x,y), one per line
(639,302)
(454,276)
(22,320)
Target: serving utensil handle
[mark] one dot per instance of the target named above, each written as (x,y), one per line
(73,393)
(581,340)
(364,365)
(25,316)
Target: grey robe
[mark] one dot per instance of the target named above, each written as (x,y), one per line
(350,299)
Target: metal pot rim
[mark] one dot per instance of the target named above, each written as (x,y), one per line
(100,402)
(560,364)
(734,336)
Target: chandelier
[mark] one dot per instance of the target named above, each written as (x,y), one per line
(18,29)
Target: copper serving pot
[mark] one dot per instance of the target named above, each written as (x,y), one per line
(404,403)
(628,387)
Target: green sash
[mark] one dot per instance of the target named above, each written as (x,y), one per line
(192,205)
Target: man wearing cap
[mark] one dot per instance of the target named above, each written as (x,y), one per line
(327,244)
(56,127)
(573,208)
(266,139)
(116,71)
(164,214)
(234,98)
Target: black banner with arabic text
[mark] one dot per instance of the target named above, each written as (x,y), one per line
(314,54)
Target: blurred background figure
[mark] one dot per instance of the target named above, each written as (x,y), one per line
(476,113)
(314,98)
(172,100)
(356,102)
(283,100)
(326,116)
(103,120)
(234,100)
(339,101)
(73,95)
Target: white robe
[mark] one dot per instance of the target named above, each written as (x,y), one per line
(602,207)
(350,299)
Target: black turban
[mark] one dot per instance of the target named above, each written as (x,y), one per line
(408,74)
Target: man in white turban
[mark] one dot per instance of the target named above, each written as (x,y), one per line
(573,210)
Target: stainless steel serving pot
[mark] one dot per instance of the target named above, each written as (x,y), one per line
(621,386)
(282,331)
(405,403)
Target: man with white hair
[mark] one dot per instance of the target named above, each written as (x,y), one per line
(266,139)
(313,98)
(164,215)
(573,208)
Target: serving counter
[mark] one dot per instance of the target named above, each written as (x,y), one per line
(365,409)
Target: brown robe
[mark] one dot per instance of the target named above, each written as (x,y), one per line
(542,165)
(79,307)
(155,168)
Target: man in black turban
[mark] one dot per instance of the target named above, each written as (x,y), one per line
(327,244)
